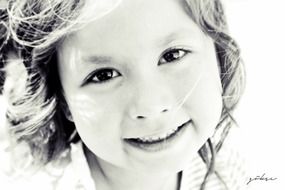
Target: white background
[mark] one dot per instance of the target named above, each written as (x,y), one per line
(259,28)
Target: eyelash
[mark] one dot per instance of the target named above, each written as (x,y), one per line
(112,73)
(174,50)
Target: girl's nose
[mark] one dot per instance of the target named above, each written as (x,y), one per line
(151,100)
(150,112)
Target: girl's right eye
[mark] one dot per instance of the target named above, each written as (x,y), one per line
(103,75)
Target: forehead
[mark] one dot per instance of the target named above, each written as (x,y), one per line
(137,24)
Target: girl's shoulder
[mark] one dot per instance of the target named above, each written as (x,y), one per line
(230,169)
(231,164)
(69,171)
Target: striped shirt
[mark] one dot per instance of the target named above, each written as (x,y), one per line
(74,174)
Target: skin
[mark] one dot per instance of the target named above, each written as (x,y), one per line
(142,96)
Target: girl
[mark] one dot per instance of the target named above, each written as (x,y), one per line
(121,94)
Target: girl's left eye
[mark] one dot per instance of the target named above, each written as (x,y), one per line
(173,55)
(103,75)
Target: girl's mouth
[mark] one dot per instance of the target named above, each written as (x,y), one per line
(158,142)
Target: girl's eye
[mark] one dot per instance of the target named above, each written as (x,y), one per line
(103,75)
(173,55)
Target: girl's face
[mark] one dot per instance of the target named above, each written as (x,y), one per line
(142,85)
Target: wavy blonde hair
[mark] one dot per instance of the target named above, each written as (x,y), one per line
(35,114)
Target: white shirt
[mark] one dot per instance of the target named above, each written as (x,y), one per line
(72,173)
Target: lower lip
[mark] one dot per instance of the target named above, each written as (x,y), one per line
(162,144)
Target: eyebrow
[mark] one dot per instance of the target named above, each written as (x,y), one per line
(101,59)
(168,39)
(97,59)
(182,33)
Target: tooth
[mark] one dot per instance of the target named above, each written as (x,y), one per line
(146,139)
(160,137)
(149,139)
(155,138)
(165,135)
(143,139)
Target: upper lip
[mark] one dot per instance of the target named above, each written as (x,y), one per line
(160,132)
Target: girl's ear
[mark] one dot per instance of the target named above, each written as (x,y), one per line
(68,116)
(66,111)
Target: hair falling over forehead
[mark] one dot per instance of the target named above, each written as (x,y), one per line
(33,29)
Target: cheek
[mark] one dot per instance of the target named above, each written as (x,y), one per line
(92,113)
(93,110)
(205,104)
(97,121)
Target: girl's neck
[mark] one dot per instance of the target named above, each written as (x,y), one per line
(109,177)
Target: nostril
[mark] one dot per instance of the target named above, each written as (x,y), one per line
(143,117)
(165,110)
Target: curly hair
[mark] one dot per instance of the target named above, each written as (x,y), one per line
(37,28)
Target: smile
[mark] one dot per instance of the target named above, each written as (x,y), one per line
(157,138)
(158,142)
